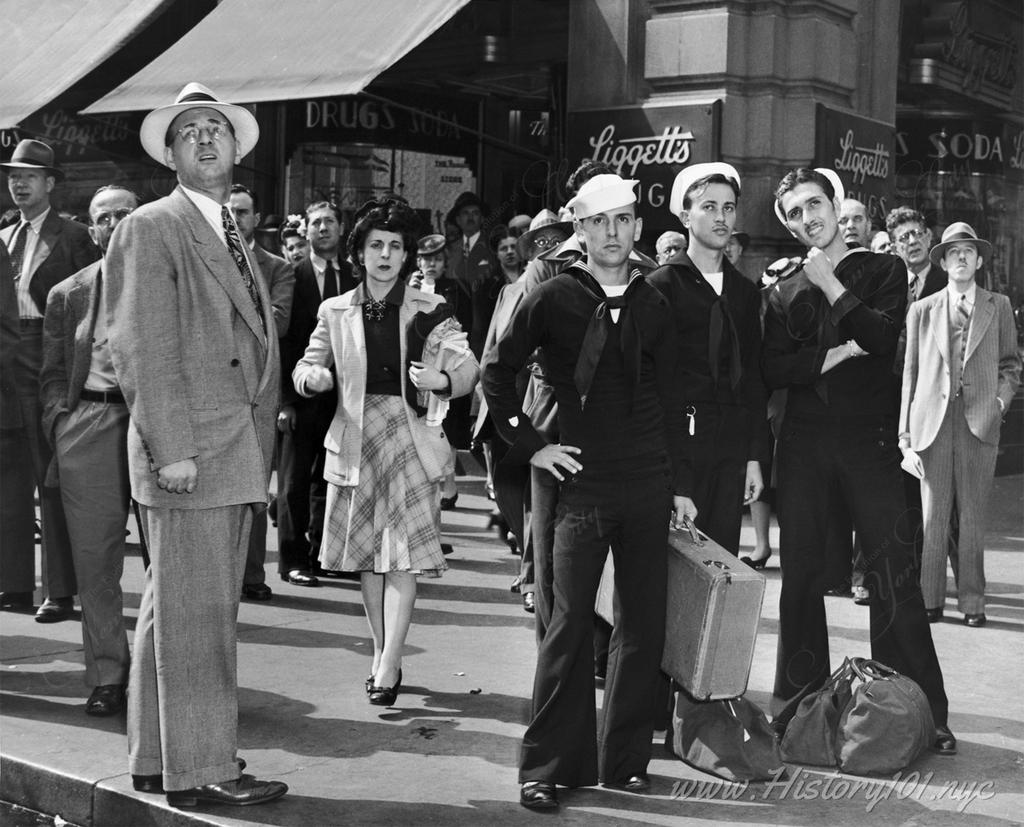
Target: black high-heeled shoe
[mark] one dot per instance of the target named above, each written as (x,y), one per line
(385,695)
(758,563)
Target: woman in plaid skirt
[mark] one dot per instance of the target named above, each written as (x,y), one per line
(399,357)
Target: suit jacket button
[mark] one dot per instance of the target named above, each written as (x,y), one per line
(235,363)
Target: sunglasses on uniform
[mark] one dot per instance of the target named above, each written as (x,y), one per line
(905,238)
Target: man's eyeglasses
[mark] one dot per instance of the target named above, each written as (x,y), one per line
(905,238)
(105,219)
(190,132)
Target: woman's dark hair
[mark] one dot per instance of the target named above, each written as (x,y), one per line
(495,236)
(388,214)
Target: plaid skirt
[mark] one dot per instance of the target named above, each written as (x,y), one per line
(391,520)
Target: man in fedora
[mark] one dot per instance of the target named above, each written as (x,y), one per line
(717,315)
(45,249)
(829,339)
(610,352)
(961,371)
(195,352)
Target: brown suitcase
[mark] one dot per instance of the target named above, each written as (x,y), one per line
(714,605)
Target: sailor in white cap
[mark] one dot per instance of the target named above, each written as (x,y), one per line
(194,346)
(830,340)
(609,350)
(718,327)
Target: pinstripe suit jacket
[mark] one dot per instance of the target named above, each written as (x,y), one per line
(199,371)
(992,368)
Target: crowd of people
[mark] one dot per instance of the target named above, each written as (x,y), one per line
(164,358)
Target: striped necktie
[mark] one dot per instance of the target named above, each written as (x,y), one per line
(18,251)
(237,253)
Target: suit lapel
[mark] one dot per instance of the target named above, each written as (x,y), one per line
(218,260)
(939,323)
(984,311)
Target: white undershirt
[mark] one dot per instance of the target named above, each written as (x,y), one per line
(616,290)
(715,280)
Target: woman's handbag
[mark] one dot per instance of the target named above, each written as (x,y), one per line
(867,719)
(731,739)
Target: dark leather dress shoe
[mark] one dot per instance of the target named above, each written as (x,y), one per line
(16,601)
(861,596)
(538,795)
(975,621)
(238,792)
(448,503)
(934,615)
(105,700)
(256,591)
(639,783)
(155,783)
(529,604)
(298,577)
(55,609)
(945,741)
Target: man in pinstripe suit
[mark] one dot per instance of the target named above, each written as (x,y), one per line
(961,371)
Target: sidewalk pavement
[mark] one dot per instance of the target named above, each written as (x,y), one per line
(447,752)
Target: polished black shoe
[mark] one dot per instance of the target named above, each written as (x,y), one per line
(16,601)
(945,741)
(538,795)
(861,596)
(757,562)
(256,591)
(934,615)
(385,695)
(155,783)
(105,700)
(298,577)
(529,604)
(238,792)
(975,621)
(639,783)
(448,503)
(55,609)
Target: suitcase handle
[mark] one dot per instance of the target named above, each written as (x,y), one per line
(693,532)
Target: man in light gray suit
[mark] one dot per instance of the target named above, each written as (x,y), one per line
(85,420)
(194,348)
(961,371)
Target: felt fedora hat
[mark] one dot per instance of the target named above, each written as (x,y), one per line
(29,154)
(193,96)
(545,219)
(955,233)
(465,199)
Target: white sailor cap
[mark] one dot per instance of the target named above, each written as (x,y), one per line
(602,193)
(689,176)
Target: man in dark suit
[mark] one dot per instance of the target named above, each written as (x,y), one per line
(279,277)
(195,353)
(16,507)
(85,420)
(45,249)
(302,422)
